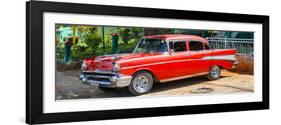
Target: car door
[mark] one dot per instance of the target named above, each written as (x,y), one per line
(208,54)
(175,61)
(196,56)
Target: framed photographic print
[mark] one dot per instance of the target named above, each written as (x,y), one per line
(95,62)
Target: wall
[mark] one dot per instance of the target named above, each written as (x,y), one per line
(12,62)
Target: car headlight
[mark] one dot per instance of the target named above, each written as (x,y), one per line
(116,67)
(83,65)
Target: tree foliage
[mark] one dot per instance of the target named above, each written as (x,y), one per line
(89,40)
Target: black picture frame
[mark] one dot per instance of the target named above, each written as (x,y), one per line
(34,61)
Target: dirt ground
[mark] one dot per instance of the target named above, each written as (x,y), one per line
(68,86)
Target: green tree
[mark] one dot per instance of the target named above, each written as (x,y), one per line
(136,33)
(91,38)
(124,34)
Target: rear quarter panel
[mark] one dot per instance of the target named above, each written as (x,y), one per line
(223,57)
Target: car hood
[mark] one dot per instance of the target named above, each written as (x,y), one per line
(106,62)
(126,56)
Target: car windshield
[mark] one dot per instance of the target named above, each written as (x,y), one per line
(151,46)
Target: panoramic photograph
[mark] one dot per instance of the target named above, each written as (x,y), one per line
(95,61)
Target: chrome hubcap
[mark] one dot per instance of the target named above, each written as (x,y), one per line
(141,84)
(215,71)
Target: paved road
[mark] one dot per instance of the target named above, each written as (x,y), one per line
(68,86)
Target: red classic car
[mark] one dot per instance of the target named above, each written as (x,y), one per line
(157,58)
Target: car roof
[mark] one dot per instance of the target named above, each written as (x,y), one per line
(175,36)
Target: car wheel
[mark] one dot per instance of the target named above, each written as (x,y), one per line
(141,83)
(106,88)
(214,73)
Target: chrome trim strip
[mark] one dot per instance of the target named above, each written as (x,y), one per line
(183,77)
(98,76)
(99,71)
(222,57)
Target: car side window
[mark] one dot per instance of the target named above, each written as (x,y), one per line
(178,46)
(195,46)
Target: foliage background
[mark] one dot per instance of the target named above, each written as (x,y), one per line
(90,40)
(94,40)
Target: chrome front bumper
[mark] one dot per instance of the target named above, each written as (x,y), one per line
(105,79)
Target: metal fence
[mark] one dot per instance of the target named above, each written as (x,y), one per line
(241,45)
